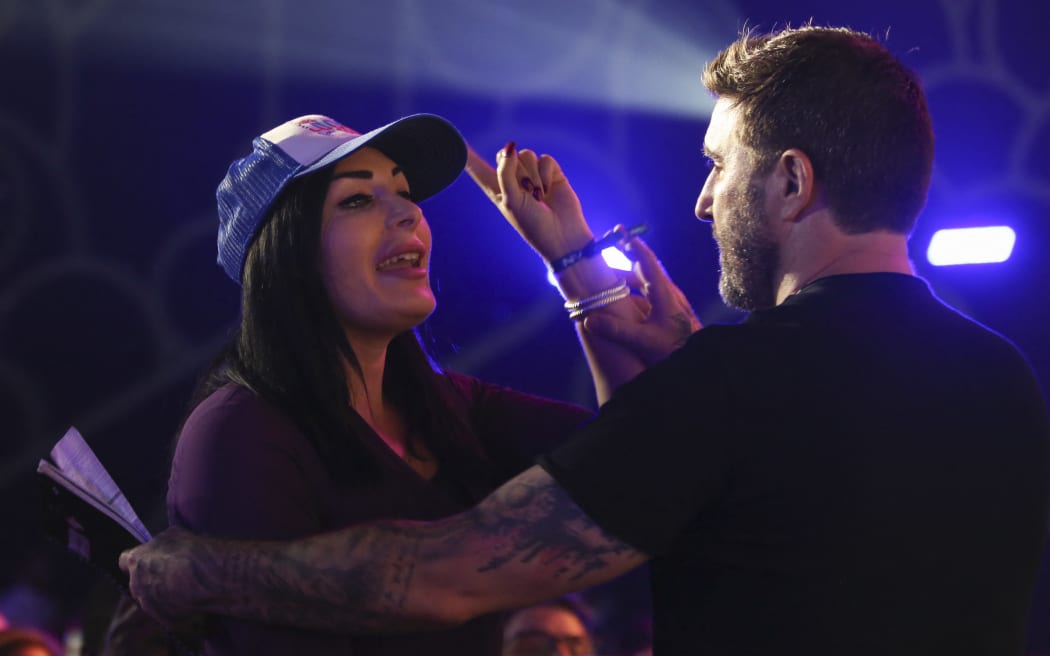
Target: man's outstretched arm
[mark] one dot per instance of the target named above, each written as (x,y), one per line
(527,541)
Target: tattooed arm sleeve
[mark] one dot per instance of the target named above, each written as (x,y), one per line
(527,541)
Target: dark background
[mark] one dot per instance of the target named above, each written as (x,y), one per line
(118,118)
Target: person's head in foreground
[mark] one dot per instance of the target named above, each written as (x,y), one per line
(554,628)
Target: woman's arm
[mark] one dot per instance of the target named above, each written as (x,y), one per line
(536,198)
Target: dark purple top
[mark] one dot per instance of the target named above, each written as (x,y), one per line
(242,469)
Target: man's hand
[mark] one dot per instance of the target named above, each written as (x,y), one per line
(165,574)
(669,322)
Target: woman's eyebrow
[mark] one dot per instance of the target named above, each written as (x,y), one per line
(364,174)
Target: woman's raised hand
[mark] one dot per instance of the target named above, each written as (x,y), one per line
(535,197)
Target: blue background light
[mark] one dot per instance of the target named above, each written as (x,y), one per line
(985,245)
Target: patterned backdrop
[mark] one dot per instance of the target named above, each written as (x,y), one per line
(118,118)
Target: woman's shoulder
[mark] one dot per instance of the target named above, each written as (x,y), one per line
(233,399)
(517,426)
(242,469)
(481,394)
(234,413)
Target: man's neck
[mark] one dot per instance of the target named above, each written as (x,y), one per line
(873,252)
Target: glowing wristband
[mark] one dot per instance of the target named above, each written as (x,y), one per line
(596,246)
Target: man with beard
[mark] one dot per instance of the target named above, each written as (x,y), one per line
(854,469)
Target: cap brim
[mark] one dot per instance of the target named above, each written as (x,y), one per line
(430,151)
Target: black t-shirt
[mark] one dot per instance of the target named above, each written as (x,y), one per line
(859,470)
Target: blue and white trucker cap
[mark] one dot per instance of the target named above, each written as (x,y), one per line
(429,150)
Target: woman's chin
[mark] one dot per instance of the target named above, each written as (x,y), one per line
(418,313)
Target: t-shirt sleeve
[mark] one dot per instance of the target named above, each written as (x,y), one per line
(657,452)
(238,471)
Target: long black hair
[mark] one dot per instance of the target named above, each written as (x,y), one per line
(290,347)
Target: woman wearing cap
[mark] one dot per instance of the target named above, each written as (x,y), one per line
(325,410)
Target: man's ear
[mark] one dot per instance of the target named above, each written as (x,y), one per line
(793,183)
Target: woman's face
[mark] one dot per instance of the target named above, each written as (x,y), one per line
(375,248)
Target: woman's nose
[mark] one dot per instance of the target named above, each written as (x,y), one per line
(403,212)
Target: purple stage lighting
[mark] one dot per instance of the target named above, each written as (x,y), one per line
(983,245)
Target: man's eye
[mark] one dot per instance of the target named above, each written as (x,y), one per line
(355,201)
(708,163)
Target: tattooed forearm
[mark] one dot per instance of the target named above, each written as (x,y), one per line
(356,580)
(527,541)
(533,519)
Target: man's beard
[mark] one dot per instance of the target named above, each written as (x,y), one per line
(748,255)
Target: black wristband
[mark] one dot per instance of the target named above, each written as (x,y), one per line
(594,247)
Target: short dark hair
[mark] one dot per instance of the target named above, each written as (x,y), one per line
(843,99)
(573,603)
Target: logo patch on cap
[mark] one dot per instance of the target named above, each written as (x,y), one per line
(325,126)
(309,138)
